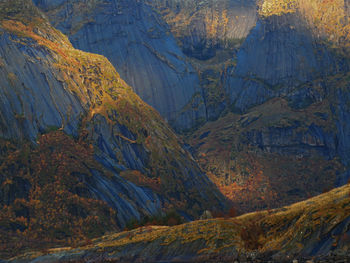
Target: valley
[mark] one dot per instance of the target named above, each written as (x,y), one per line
(176,131)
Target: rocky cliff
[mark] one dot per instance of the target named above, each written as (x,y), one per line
(76,139)
(245,54)
(287,90)
(283,52)
(210,34)
(139,44)
(165,47)
(203,27)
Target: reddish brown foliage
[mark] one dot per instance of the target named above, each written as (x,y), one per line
(232,212)
(140,179)
(250,234)
(55,204)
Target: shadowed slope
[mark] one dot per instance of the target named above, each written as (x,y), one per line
(138,43)
(122,154)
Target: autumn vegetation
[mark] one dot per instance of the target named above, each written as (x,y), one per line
(171,218)
(45,200)
(328,19)
(251,177)
(259,232)
(44,196)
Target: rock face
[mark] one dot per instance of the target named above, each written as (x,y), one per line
(126,155)
(23,113)
(279,54)
(210,34)
(269,156)
(138,40)
(204,27)
(293,61)
(138,43)
(245,53)
(288,50)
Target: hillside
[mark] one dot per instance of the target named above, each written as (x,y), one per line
(328,19)
(138,43)
(317,228)
(271,156)
(81,153)
(281,89)
(257,91)
(286,90)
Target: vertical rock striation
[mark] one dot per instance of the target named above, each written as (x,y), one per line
(138,43)
(204,27)
(278,56)
(136,164)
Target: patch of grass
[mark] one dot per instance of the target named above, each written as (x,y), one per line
(283,230)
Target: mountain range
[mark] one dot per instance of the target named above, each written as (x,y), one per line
(121,113)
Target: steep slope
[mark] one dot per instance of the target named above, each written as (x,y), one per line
(278,56)
(316,229)
(210,33)
(287,136)
(137,42)
(203,27)
(327,19)
(71,129)
(271,156)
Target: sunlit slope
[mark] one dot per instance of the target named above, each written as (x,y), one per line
(139,44)
(328,19)
(78,145)
(286,136)
(310,228)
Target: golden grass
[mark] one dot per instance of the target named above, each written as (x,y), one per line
(286,226)
(273,230)
(327,18)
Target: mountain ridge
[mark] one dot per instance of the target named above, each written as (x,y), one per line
(263,99)
(139,44)
(279,235)
(65,103)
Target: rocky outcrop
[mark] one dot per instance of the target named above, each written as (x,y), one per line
(138,43)
(46,87)
(312,141)
(25,110)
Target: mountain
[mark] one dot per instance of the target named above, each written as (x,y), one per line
(285,137)
(286,49)
(315,230)
(210,34)
(81,153)
(203,27)
(138,43)
(244,54)
(277,74)
(258,91)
